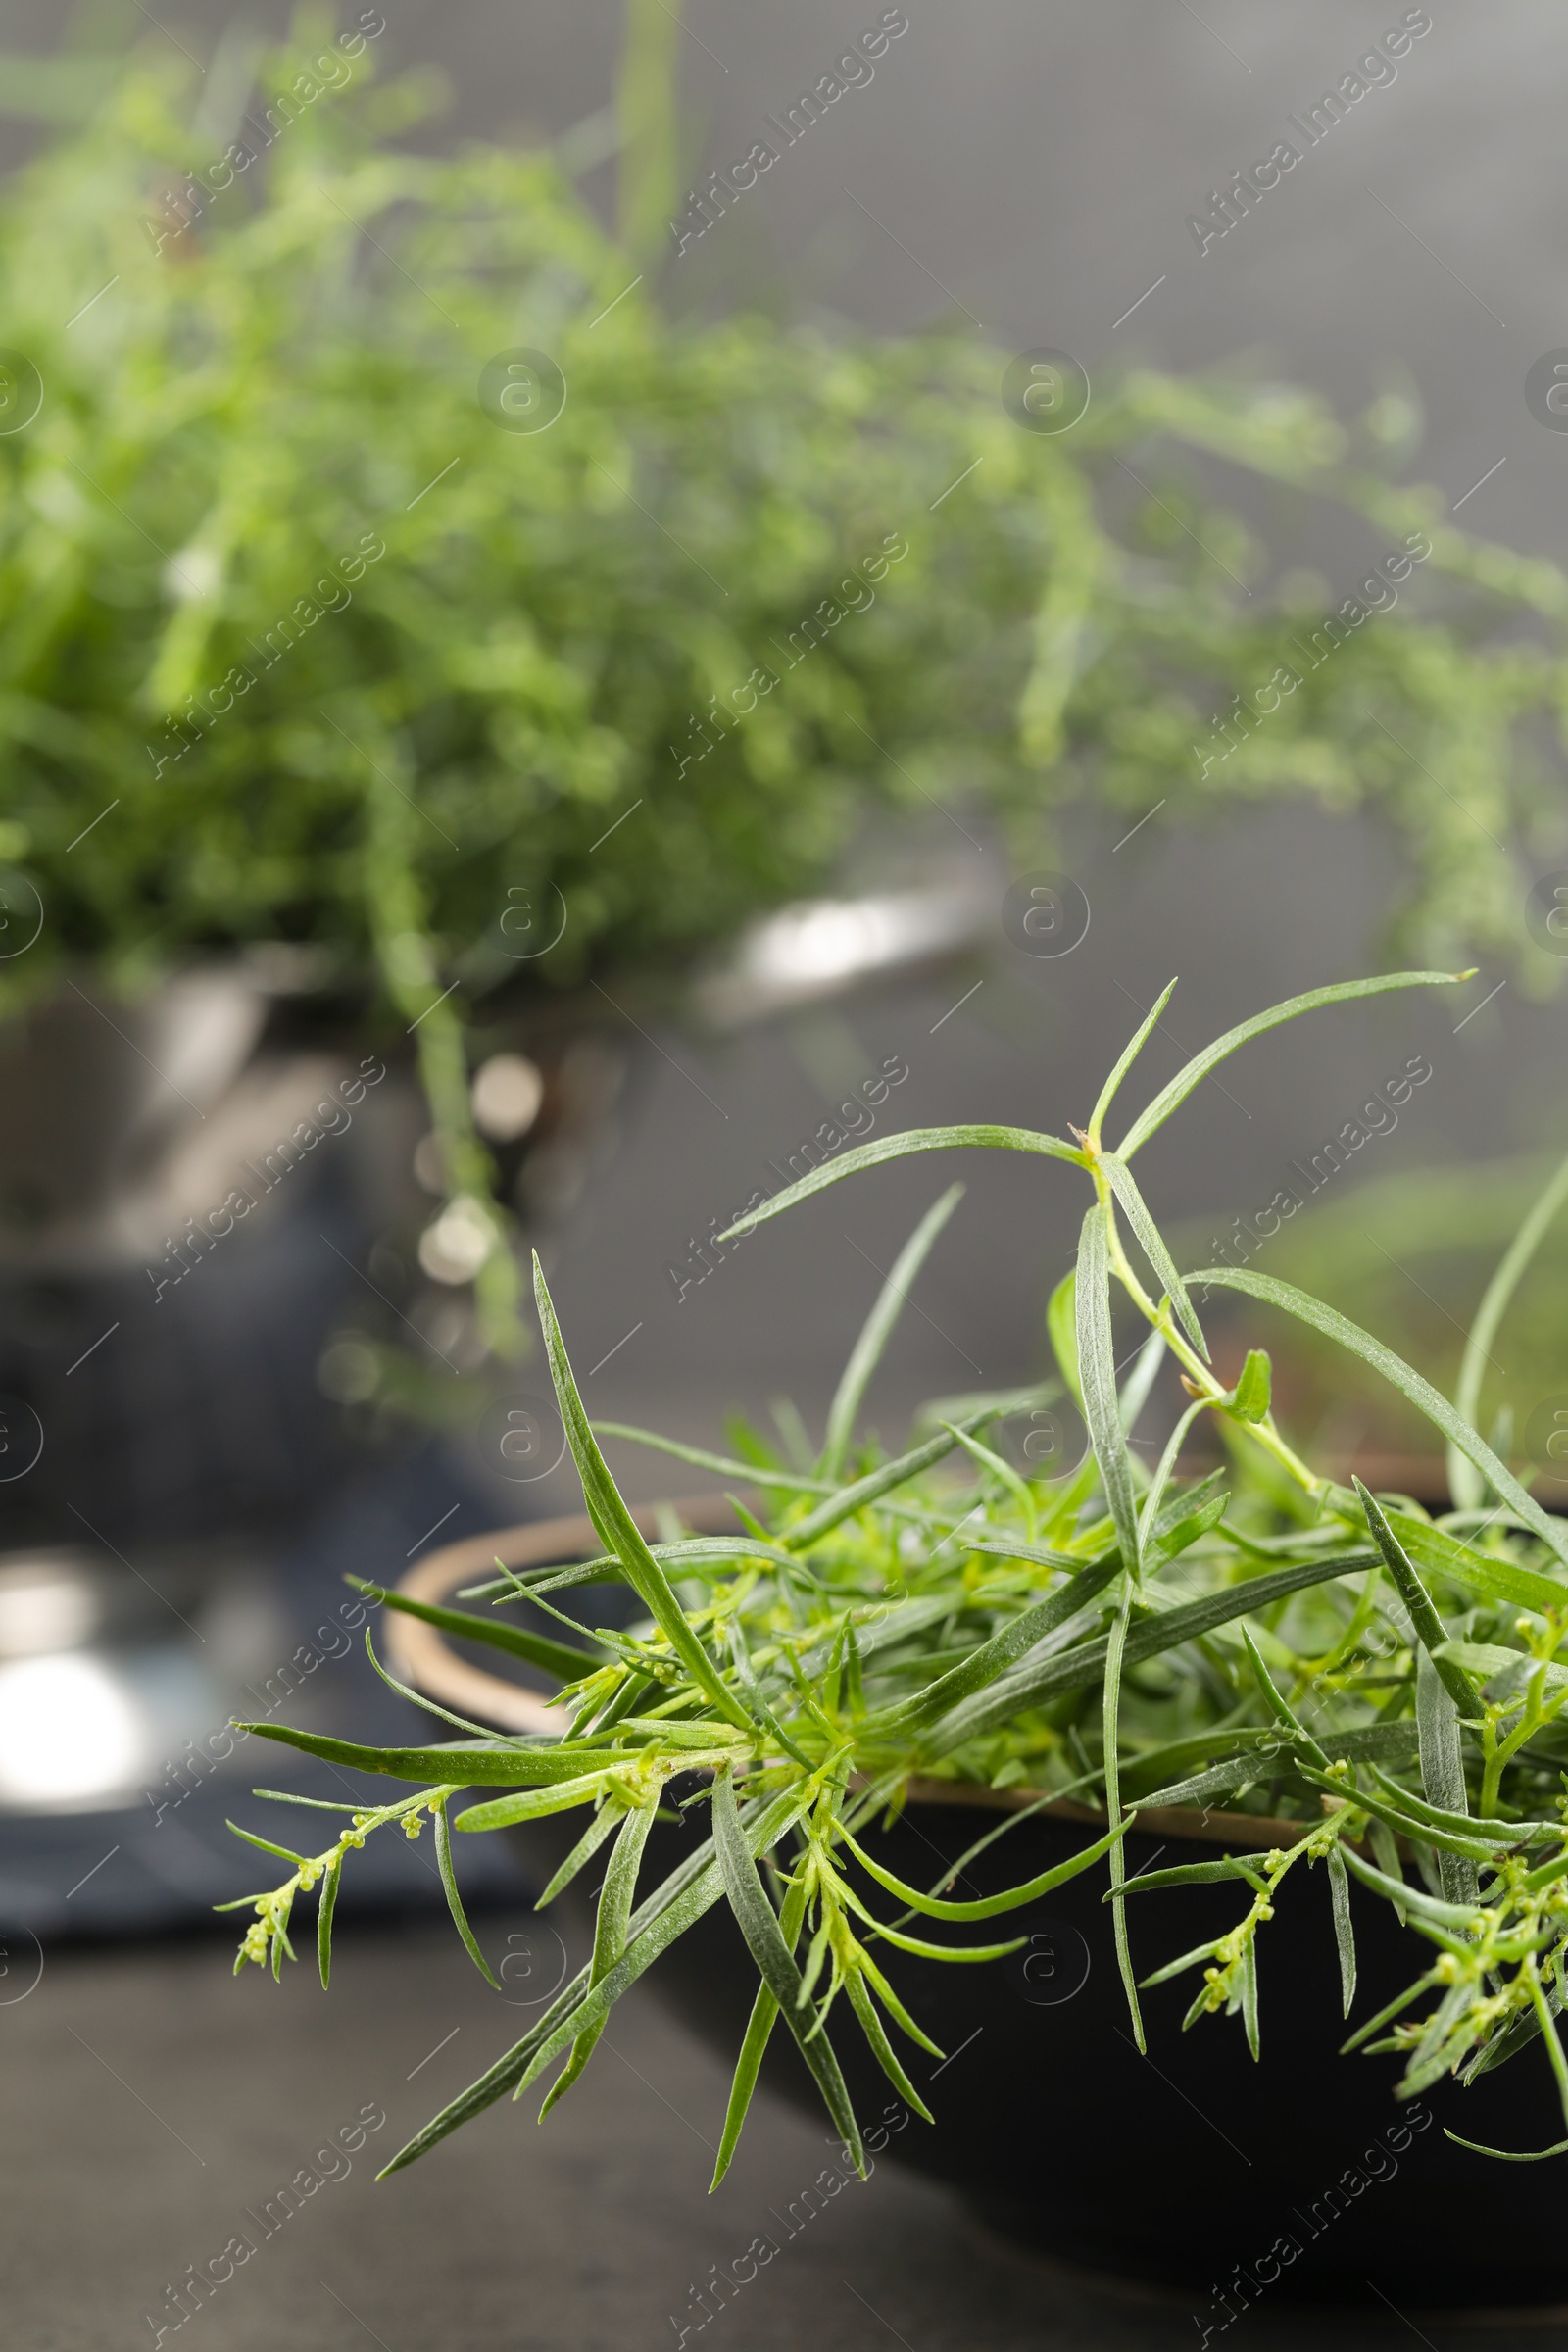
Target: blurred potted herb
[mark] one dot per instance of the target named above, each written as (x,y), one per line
(386,572)
(1097,1661)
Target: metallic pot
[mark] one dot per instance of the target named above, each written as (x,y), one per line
(161,1309)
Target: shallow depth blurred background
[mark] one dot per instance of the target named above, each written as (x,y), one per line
(187,1474)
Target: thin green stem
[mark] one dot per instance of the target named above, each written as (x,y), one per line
(1212,1390)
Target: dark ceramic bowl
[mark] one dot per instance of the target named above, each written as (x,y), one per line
(1299,2178)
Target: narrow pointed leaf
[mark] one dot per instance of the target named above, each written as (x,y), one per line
(1002,1472)
(1174,1968)
(1492,1659)
(899,1147)
(1507,2155)
(616,1526)
(1151,1241)
(583,1852)
(995,1656)
(559,1658)
(1140,1380)
(1164,1471)
(465,1763)
(1110,1699)
(633,1690)
(691,1889)
(684,1896)
(316,1805)
(1183,1874)
(1463,1484)
(775,1963)
(1395,1743)
(1096,1364)
(1343,1927)
(1503,1834)
(1430,1631)
(1442,1769)
(1255,1388)
(418,1698)
(1040,1555)
(988,1906)
(285,1853)
(1129,1055)
(1443,1555)
(1027,1685)
(672,1732)
(895,2009)
(326,1907)
(534,1804)
(1249,1987)
(868,1348)
(750,1473)
(1188,1531)
(754,2049)
(882,2049)
(449,1880)
(760,1711)
(1396,2008)
(1406,1825)
(1394,1369)
(877,1483)
(1409,1899)
(1172,1096)
(975,1952)
(1280,1708)
(1062,1324)
(1515,2036)
(615,1898)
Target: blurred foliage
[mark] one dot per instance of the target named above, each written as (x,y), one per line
(252,371)
(297,368)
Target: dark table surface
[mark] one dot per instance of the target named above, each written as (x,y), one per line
(153,2108)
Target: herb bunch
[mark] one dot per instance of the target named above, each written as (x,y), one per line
(1351,1668)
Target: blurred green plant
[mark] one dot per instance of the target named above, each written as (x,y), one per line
(1355,1672)
(226,719)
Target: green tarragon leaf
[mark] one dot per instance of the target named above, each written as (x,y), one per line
(899,1147)
(867,1352)
(1029,1686)
(1253,1393)
(616,1527)
(775,1962)
(691,1889)
(1391,1743)
(1172,1096)
(1399,1375)
(462,1763)
(1480,1572)
(557,1658)
(1096,1365)
(1152,1245)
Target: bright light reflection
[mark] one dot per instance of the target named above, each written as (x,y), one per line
(68,1731)
(41,1608)
(821,943)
